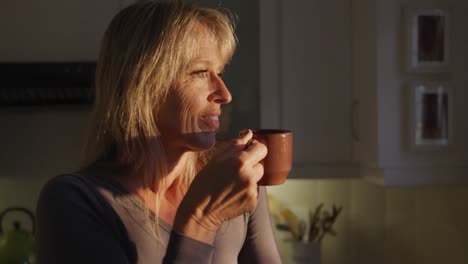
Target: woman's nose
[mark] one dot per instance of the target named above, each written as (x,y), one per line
(220,93)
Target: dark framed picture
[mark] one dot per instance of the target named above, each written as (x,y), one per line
(431,115)
(428,39)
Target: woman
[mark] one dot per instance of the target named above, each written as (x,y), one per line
(151,192)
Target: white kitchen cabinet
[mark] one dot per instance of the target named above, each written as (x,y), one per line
(306,82)
(381,102)
(333,72)
(53,30)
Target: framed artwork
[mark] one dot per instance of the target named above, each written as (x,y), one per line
(431,115)
(428,39)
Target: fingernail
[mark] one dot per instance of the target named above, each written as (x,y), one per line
(243,132)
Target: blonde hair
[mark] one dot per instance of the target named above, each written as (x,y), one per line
(144,50)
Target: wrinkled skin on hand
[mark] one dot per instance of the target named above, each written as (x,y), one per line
(224,189)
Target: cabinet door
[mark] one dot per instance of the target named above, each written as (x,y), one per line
(382,85)
(313,75)
(52,30)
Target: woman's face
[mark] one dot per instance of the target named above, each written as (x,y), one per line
(189,117)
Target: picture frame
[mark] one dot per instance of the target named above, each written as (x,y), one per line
(431,115)
(428,39)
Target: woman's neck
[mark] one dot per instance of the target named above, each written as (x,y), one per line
(165,180)
(171,188)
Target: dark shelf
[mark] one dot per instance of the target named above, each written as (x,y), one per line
(25,84)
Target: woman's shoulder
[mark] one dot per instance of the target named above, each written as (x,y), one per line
(66,185)
(87,189)
(85,183)
(70,208)
(70,192)
(75,198)
(65,180)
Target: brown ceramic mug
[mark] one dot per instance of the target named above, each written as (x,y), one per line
(278,162)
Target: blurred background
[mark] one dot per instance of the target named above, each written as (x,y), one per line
(339,73)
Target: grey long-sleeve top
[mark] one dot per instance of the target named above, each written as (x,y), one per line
(91,219)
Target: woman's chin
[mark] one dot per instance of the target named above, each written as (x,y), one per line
(202,141)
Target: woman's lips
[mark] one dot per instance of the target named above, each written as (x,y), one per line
(212,121)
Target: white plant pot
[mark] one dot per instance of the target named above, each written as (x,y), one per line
(302,253)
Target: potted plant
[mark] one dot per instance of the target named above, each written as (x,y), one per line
(304,236)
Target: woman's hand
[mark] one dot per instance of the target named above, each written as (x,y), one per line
(224,189)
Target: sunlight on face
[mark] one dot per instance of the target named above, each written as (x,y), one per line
(189,117)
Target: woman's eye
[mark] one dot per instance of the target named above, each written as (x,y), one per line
(200,73)
(220,75)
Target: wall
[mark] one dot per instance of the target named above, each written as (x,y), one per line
(36,145)
(393,78)
(386,225)
(53,30)
(40,142)
(426,225)
(420,224)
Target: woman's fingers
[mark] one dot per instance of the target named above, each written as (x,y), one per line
(258,172)
(244,137)
(243,132)
(236,145)
(227,186)
(237,165)
(254,153)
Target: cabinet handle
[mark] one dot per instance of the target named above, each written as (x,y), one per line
(355,120)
